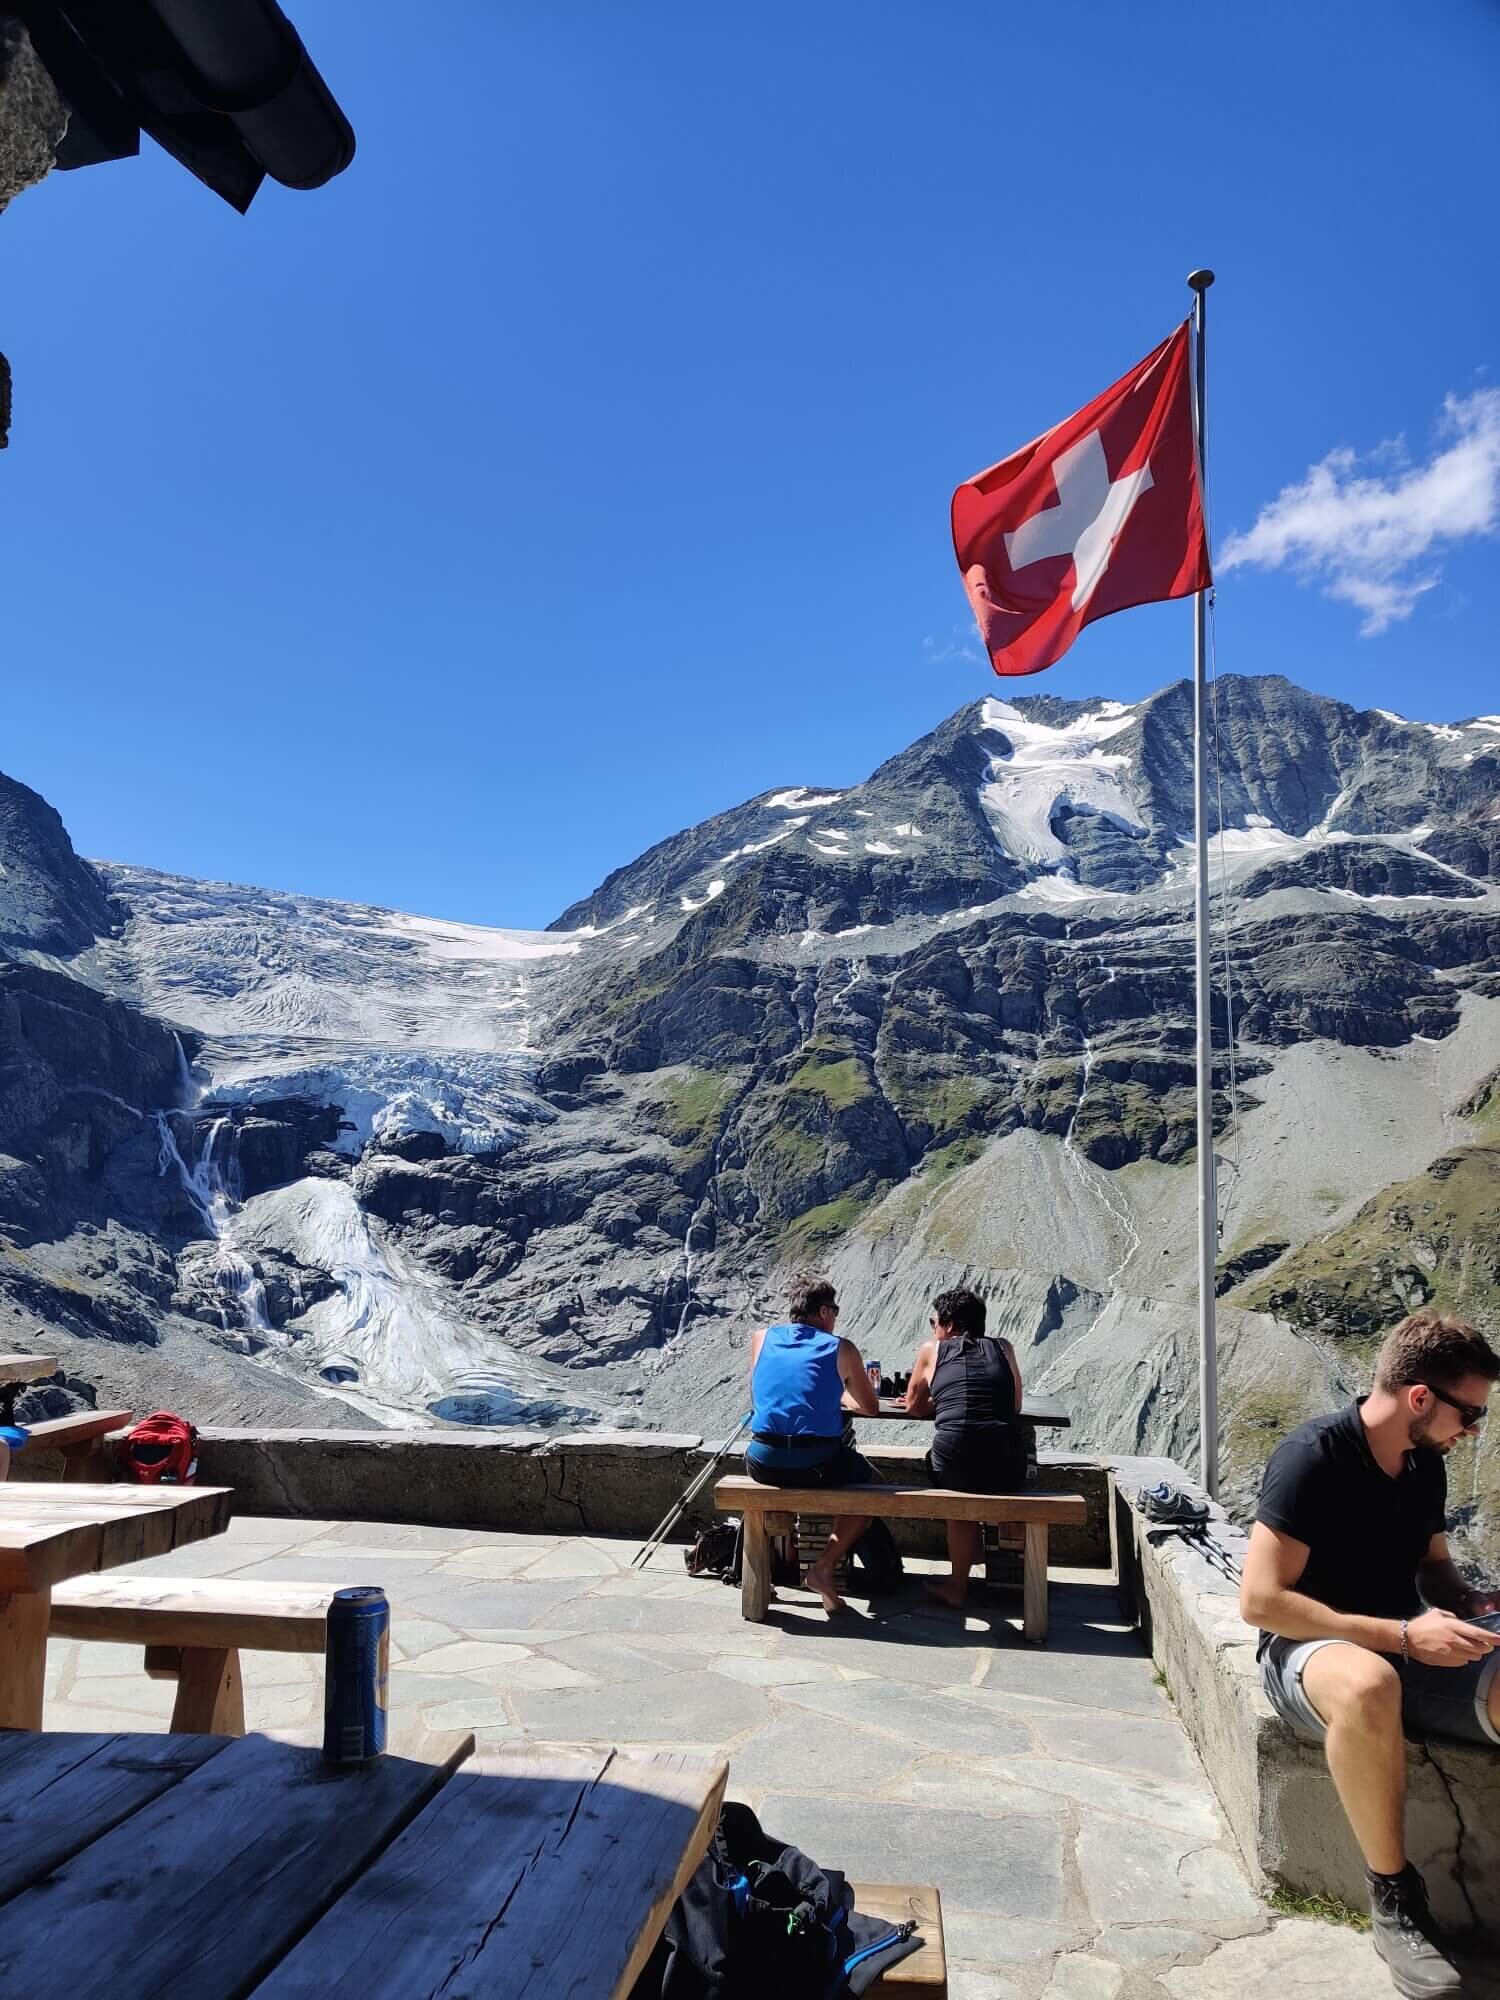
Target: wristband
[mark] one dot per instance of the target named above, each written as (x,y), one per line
(1405,1649)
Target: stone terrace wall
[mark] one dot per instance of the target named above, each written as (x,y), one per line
(1274,1789)
(599,1482)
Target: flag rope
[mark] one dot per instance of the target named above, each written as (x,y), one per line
(1226,899)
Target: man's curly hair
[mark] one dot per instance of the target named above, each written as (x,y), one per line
(962,1310)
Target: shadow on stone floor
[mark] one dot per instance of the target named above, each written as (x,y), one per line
(1084,1619)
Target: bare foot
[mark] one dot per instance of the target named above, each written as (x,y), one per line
(823,1585)
(954,1595)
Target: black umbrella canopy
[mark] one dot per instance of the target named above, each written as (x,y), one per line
(225,86)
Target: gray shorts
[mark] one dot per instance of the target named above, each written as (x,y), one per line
(1435,1701)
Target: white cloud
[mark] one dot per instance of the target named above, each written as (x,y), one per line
(960,645)
(1373,542)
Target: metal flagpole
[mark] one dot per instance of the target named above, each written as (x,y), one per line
(1208,1204)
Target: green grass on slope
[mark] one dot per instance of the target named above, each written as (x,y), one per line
(691,1100)
(1483,1110)
(1432,1240)
(817,1229)
(842,1082)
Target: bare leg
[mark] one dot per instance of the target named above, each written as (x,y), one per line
(847,1530)
(1494,1702)
(965,1547)
(1359,1696)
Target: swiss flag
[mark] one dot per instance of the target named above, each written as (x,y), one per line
(1099,513)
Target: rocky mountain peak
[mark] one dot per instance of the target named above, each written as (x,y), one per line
(932,1026)
(50,901)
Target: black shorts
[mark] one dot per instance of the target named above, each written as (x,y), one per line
(978,1469)
(843,1466)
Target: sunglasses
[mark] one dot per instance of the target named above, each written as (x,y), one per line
(1473,1414)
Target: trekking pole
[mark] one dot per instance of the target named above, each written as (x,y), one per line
(664,1528)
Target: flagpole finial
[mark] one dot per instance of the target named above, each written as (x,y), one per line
(1200,280)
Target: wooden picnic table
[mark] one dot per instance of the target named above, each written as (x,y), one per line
(49,1532)
(216,1867)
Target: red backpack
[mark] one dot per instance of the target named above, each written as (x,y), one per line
(161,1450)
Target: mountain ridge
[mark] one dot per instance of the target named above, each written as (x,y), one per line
(394,1169)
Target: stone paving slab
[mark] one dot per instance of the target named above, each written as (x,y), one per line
(1051,1793)
(1299,1958)
(996,1865)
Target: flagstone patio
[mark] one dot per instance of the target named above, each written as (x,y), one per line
(1049,1793)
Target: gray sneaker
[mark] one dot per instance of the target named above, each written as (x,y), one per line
(1409,1941)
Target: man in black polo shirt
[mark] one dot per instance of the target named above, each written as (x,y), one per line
(1367,1626)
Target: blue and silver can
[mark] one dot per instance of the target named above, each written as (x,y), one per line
(356,1696)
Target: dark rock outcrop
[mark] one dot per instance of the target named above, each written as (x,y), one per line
(52,901)
(79,1074)
(1470,842)
(1363,868)
(762,1027)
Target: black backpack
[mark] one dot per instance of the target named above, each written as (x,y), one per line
(719,1551)
(715,1552)
(760,1918)
(880,1559)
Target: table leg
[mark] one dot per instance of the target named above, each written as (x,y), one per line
(24,1618)
(210,1695)
(1034,1584)
(755,1567)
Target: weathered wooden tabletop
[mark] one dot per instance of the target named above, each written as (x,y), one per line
(137,1865)
(52,1531)
(26,1367)
(1043,1410)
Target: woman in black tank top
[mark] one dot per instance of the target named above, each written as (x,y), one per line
(971,1387)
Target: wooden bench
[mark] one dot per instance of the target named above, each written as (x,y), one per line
(81,1440)
(192,1629)
(1036,1512)
(923,1976)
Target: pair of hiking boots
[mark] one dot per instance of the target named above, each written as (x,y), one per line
(1408,1939)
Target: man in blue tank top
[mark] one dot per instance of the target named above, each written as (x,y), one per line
(803,1376)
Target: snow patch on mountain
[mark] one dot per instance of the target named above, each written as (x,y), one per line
(1062,888)
(1044,766)
(799,797)
(759,846)
(443,943)
(714,890)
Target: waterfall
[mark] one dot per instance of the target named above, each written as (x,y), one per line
(188,1088)
(1096,1182)
(212,1185)
(686,1268)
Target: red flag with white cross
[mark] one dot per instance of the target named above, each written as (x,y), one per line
(1103,511)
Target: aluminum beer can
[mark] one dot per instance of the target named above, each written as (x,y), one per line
(356,1698)
(872,1369)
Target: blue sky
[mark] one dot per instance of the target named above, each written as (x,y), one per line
(578,463)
